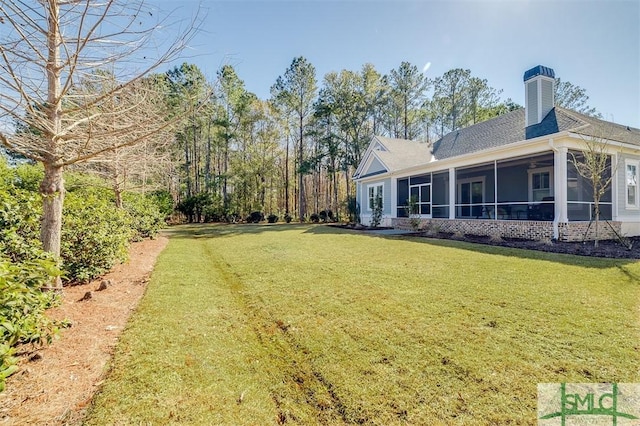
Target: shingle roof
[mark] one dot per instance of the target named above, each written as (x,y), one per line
(509,128)
(604,129)
(502,130)
(402,154)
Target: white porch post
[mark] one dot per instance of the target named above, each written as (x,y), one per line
(614,185)
(452,193)
(560,184)
(394,200)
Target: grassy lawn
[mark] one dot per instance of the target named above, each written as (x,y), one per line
(259,325)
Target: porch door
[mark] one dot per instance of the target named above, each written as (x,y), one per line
(471,192)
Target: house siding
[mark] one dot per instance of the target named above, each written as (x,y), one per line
(376,166)
(547,96)
(532,103)
(362,197)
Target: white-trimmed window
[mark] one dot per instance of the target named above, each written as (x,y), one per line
(540,183)
(632,168)
(375,192)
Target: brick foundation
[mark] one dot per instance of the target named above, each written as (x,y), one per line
(575,231)
(525,229)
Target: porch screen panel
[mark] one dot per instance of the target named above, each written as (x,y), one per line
(580,200)
(418,180)
(475,194)
(440,195)
(512,183)
(403,197)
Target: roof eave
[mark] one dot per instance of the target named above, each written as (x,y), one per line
(610,142)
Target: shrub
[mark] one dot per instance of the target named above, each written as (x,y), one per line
(414,212)
(22,308)
(287,218)
(272,218)
(314,218)
(255,217)
(194,207)
(326,215)
(146,219)
(163,200)
(376,216)
(28,177)
(95,236)
(213,213)
(20,213)
(232,218)
(353,209)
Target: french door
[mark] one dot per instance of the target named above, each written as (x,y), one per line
(470,198)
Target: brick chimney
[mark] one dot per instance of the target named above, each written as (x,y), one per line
(539,85)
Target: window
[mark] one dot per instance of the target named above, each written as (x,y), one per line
(540,184)
(632,183)
(375,192)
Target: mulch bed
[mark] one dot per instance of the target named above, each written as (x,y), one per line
(606,248)
(55,383)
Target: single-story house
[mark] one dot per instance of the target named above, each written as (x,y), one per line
(511,176)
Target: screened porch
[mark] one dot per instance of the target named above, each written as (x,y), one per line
(512,189)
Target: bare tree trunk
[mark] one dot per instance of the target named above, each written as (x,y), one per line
(225,170)
(316,179)
(187,166)
(334,203)
(301,198)
(52,190)
(596,207)
(196,162)
(406,117)
(207,167)
(286,178)
(118,193)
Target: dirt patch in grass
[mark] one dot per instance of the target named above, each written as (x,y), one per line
(56,383)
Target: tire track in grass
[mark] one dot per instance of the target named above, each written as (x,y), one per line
(300,392)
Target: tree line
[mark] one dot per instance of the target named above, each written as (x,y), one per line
(294,153)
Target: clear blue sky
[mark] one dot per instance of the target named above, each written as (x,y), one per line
(594,44)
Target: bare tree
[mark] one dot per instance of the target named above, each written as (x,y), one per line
(130,167)
(48,54)
(595,165)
